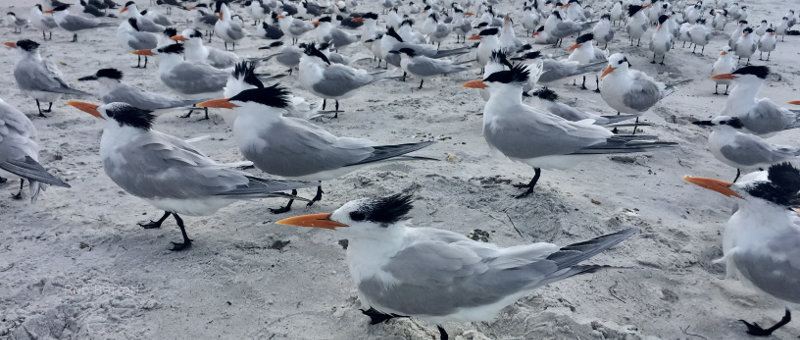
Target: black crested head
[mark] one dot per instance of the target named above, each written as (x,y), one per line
(489,31)
(274,96)
(633,9)
(110,73)
(11,13)
(143,12)
(606,16)
(61,8)
(584,38)
(408,51)
(370,15)
(311,50)
(500,57)
(662,19)
(763,21)
(409,22)
(782,188)
(733,122)
(758,71)
(558,15)
(770,30)
(742,22)
(170,31)
(392,33)
(126,114)
(40,8)
(129,3)
(324,19)
(481,25)
(546,94)
(434,17)
(28,45)
(531,55)
(276,44)
(245,70)
(747,30)
(540,29)
(384,210)
(172,48)
(517,74)
(195,34)
(427,7)
(132,22)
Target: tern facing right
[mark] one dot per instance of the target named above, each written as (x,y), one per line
(761,241)
(168,172)
(438,275)
(539,138)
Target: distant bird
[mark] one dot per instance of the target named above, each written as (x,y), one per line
(295,28)
(228,30)
(19,152)
(661,42)
(268,31)
(112,89)
(724,64)
(38,78)
(144,23)
(637,23)
(42,21)
(330,81)
(74,23)
(627,90)
(585,53)
(746,45)
(424,67)
(603,32)
(767,43)
(700,35)
(15,23)
(560,28)
(130,37)
(196,52)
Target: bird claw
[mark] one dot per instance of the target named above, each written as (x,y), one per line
(181,246)
(755,329)
(150,225)
(280,210)
(524,194)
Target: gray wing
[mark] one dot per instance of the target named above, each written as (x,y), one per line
(341,38)
(339,79)
(530,135)
(569,113)
(777,270)
(235,31)
(49,22)
(750,150)
(209,19)
(40,76)
(766,117)
(642,95)
(426,67)
(17,134)
(295,148)
(553,70)
(143,40)
(143,99)
(190,78)
(76,23)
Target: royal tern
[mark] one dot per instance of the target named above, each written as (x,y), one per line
(144,23)
(194,51)
(294,28)
(19,152)
(541,37)
(461,26)
(720,19)
(258,11)
(288,56)
(737,33)
(243,78)
(724,64)
(38,78)
(424,67)
(746,45)
(392,41)
(548,101)
(585,53)
(637,24)
(268,31)
(616,12)
(661,42)
(439,275)
(783,27)
(195,81)
(436,30)
(15,23)
(743,151)
(42,21)
(762,28)
(602,31)
(330,81)
(700,35)
(539,138)
(759,116)
(204,20)
(761,241)
(560,28)
(90,9)
(129,35)
(112,89)
(74,23)
(767,43)
(326,33)
(295,148)
(228,30)
(168,172)
(627,90)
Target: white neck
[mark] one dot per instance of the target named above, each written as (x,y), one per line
(742,97)
(168,61)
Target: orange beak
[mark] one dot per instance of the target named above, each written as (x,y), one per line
(659,27)
(469,14)
(744,34)
(48,11)
(314,221)
(191,8)
(474,84)
(144,52)
(723,53)
(574,47)
(10,44)
(86,107)
(315,23)
(607,70)
(474,37)
(123,10)
(567,5)
(648,5)
(535,34)
(721,187)
(220,15)
(357,19)
(771,33)
(178,37)
(281,16)
(794,102)
(507,18)
(723,76)
(222,103)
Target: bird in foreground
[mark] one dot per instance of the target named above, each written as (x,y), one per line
(759,116)
(194,51)
(330,81)
(744,151)
(243,78)
(438,275)
(38,78)
(74,23)
(194,81)
(112,89)
(42,20)
(229,30)
(539,138)
(627,90)
(295,148)
(424,67)
(761,241)
(724,64)
(168,172)
(19,152)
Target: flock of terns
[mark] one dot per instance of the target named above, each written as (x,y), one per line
(399,271)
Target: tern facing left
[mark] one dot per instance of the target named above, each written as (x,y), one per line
(761,241)
(168,172)
(438,275)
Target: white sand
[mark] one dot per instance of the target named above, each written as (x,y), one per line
(76,265)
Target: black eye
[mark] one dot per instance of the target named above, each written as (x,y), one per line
(621,61)
(357,216)
(723,122)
